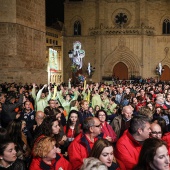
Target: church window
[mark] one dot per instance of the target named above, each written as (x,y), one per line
(77,28)
(121,19)
(166,26)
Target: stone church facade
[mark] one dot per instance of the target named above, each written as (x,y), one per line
(121,38)
(22,41)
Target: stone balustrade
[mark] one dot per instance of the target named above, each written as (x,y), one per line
(146,30)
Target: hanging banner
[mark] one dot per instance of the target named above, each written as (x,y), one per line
(52,62)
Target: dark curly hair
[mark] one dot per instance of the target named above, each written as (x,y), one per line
(47,125)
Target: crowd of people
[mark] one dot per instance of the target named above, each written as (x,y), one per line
(94,126)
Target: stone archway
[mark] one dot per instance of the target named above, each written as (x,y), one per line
(128,63)
(125,64)
(120,70)
(166,74)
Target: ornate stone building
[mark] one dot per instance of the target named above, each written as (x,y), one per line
(22,41)
(123,38)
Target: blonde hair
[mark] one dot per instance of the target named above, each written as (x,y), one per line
(92,163)
(43,146)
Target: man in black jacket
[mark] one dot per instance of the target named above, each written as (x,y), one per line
(8,108)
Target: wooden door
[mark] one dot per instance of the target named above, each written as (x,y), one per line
(120,70)
(166,74)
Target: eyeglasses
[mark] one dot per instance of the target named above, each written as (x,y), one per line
(156,133)
(97,125)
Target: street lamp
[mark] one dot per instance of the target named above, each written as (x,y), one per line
(70,54)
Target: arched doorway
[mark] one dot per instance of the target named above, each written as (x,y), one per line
(166,74)
(120,70)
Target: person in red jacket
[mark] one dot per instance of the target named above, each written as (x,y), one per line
(83,143)
(129,145)
(46,156)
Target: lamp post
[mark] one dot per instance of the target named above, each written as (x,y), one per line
(70,54)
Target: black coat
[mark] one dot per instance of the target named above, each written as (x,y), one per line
(17,165)
(8,111)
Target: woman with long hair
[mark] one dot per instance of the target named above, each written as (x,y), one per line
(50,126)
(72,128)
(103,150)
(15,133)
(153,156)
(91,110)
(96,108)
(151,106)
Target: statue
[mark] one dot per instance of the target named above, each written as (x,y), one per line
(89,69)
(160,69)
(77,55)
